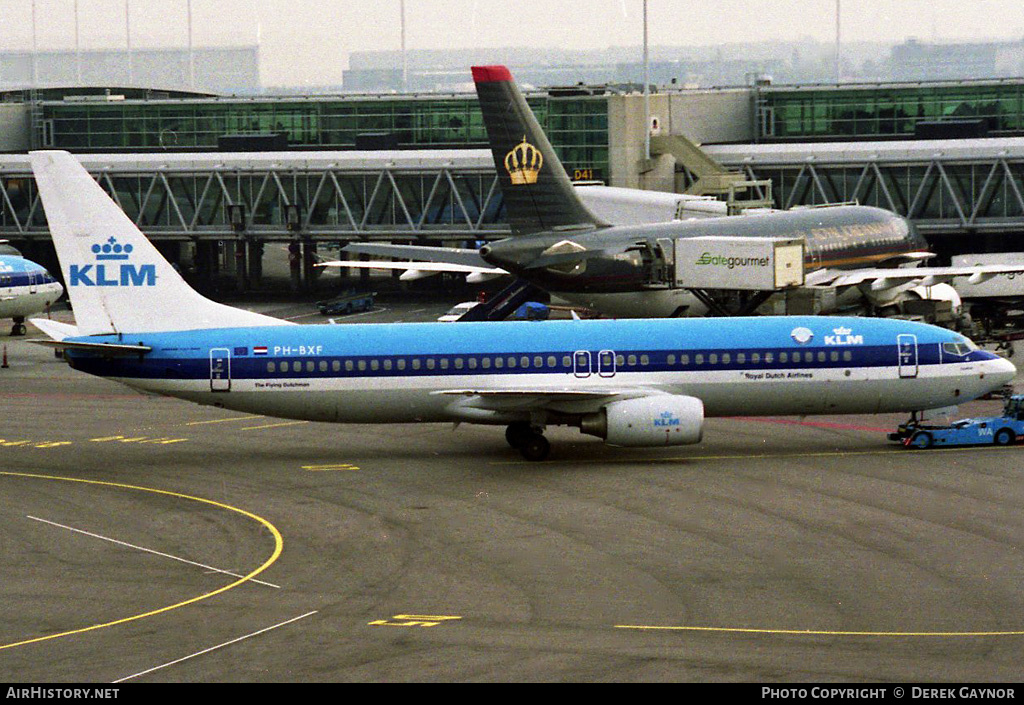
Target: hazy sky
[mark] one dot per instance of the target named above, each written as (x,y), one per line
(308,41)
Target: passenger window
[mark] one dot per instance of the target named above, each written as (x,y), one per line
(726,358)
(741,358)
(349,366)
(499,363)
(699,359)
(430,363)
(336,365)
(684,359)
(821,356)
(538,361)
(834,356)
(309,366)
(271,367)
(416,363)
(284,365)
(645,360)
(374,364)
(769,358)
(362,365)
(400,365)
(620,360)
(713,359)
(552,361)
(847,355)
(783,357)
(458,363)
(322,365)
(472,363)
(671,360)
(485,363)
(511,362)
(566,361)
(632,360)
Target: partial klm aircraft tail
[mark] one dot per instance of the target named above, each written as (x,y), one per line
(116,279)
(537,191)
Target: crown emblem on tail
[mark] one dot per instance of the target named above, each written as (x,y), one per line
(523,163)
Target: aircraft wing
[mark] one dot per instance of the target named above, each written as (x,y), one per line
(564,399)
(878,279)
(448,255)
(419,270)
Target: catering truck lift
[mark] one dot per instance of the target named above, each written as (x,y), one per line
(986,430)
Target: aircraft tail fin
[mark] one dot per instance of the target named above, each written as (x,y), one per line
(537,191)
(118,282)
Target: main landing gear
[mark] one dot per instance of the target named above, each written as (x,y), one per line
(530,441)
(19,326)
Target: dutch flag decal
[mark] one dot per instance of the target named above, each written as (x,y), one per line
(259,350)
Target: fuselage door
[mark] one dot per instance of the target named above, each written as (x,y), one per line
(906,345)
(581,363)
(220,370)
(33,281)
(606,363)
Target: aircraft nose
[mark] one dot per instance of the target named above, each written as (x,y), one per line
(1004,370)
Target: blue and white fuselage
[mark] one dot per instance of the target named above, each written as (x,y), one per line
(507,372)
(25,288)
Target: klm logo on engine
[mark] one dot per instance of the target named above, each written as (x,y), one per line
(842,337)
(667,419)
(112,268)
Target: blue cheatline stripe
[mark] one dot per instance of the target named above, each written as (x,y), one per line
(442,365)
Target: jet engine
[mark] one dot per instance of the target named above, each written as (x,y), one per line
(659,420)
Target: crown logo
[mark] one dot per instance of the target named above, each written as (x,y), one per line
(111,250)
(842,331)
(523,163)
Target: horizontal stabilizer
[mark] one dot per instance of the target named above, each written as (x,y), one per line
(107,349)
(55,329)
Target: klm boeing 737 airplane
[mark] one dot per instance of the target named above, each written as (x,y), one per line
(25,288)
(629,382)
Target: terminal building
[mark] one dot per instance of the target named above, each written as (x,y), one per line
(194,167)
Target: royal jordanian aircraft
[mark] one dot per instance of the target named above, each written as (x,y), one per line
(25,288)
(629,382)
(560,245)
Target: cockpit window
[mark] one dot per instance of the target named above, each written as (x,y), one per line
(960,349)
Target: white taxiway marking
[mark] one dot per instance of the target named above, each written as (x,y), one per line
(214,648)
(149,550)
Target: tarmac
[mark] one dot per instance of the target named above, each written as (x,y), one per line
(150,539)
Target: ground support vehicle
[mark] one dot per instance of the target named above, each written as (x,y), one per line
(348,302)
(986,430)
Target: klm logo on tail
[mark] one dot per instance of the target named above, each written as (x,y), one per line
(112,268)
